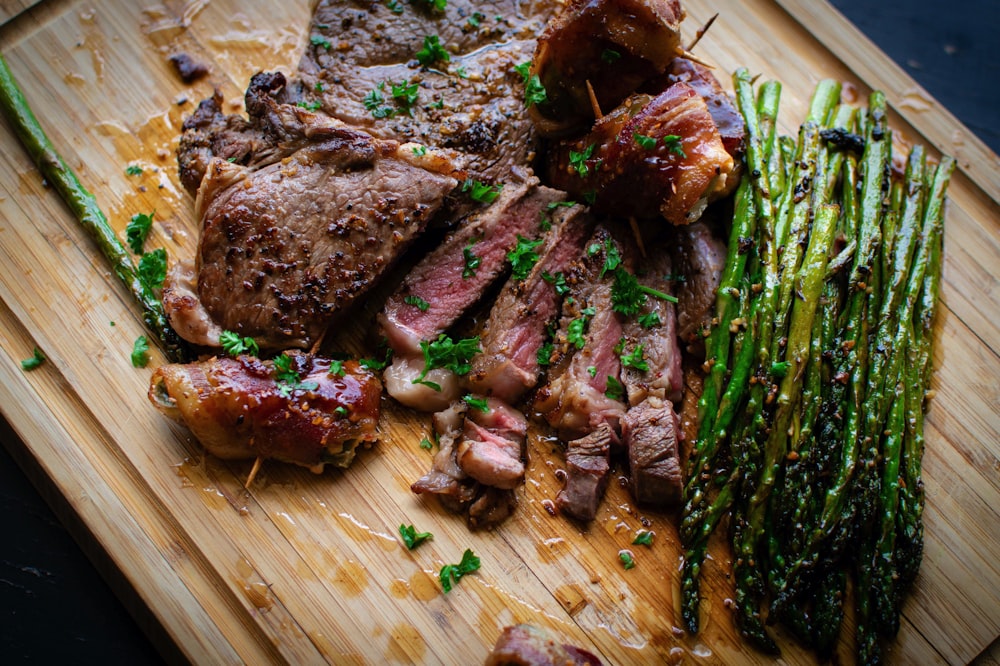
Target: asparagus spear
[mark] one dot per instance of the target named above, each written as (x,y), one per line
(84,206)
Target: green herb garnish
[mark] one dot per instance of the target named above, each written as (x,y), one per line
(610,56)
(432,51)
(412,538)
(635,359)
(673,143)
(614,389)
(477,403)
(140,352)
(452,573)
(650,320)
(310,106)
(133,170)
(233,345)
(578,160)
(643,538)
(627,560)
(336,368)
(534,91)
(647,142)
(417,302)
(288,377)
(152,268)
(320,40)
(471,260)
(137,230)
(481,192)
(446,353)
(35,360)
(523,257)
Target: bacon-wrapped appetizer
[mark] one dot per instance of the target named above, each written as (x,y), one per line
(299,408)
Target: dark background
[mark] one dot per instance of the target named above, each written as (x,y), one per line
(56,607)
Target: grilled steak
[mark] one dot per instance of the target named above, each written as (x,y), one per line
(649,432)
(587,469)
(700,258)
(492,447)
(517,326)
(528,645)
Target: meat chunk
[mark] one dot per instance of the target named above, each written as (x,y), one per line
(587,469)
(650,157)
(492,447)
(649,432)
(189,69)
(579,395)
(528,645)
(612,46)
(245,408)
(700,258)
(720,104)
(518,324)
(310,224)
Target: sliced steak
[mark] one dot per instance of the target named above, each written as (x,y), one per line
(699,257)
(446,480)
(587,470)
(471,104)
(604,48)
(518,324)
(492,446)
(447,282)
(647,158)
(655,370)
(650,432)
(528,645)
(586,364)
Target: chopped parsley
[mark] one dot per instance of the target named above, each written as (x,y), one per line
(140,352)
(336,368)
(420,151)
(481,192)
(476,19)
(412,538)
(446,353)
(610,56)
(534,91)
(523,257)
(592,370)
(575,332)
(394,6)
(674,144)
(35,360)
(137,230)
(375,364)
(461,73)
(612,257)
(320,40)
(452,573)
(614,389)
(628,296)
(341,411)
(288,377)
(544,354)
(374,101)
(560,204)
(133,170)
(643,538)
(426,444)
(589,197)
(650,320)
(432,4)
(152,268)
(319,86)
(471,260)
(558,281)
(310,106)
(477,403)
(233,345)
(647,142)
(578,160)
(432,51)
(628,561)
(417,302)
(405,94)
(635,359)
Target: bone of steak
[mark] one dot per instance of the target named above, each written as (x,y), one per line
(238,408)
(517,326)
(649,157)
(612,46)
(587,470)
(649,432)
(700,258)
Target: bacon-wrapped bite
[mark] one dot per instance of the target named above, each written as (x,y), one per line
(650,156)
(612,45)
(299,408)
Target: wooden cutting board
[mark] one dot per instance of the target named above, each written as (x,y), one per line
(306,568)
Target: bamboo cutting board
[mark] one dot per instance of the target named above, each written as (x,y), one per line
(306,568)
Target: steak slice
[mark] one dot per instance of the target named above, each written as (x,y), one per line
(310,224)
(587,469)
(700,258)
(649,432)
(586,365)
(492,447)
(472,104)
(518,324)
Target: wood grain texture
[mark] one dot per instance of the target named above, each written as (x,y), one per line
(307,568)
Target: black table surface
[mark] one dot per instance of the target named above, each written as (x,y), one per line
(56,607)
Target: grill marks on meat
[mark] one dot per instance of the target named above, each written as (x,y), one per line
(611,45)
(238,409)
(518,324)
(479,463)
(676,177)
(650,434)
(472,105)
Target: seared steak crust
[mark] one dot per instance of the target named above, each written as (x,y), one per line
(587,469)
(649,432)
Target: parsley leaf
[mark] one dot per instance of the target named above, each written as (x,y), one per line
(673,142)
(578,160)
(234,345)
(417,302)
(152,268)
(336,368)
(575,332)
(374,102)
(647,142)
(544,354)
(452,573)
(558,281)
(481,192)
(140,352)
(34,361)
(610,56)
(411,537)
(615,390)
(628,296)
(394,6)
(628,561)
(288,377)
(320,40)
(612,257)
(643,538)
(310,106)
(432,52)
(133,170)
(534,91)
(446,353)
(432,4)
(476,19)
(635,359)
(523,257)
(138,229)
(420,151)
(477,403)
(375,364)
(426,444)
(472,261)
(405,95)
(650,320)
